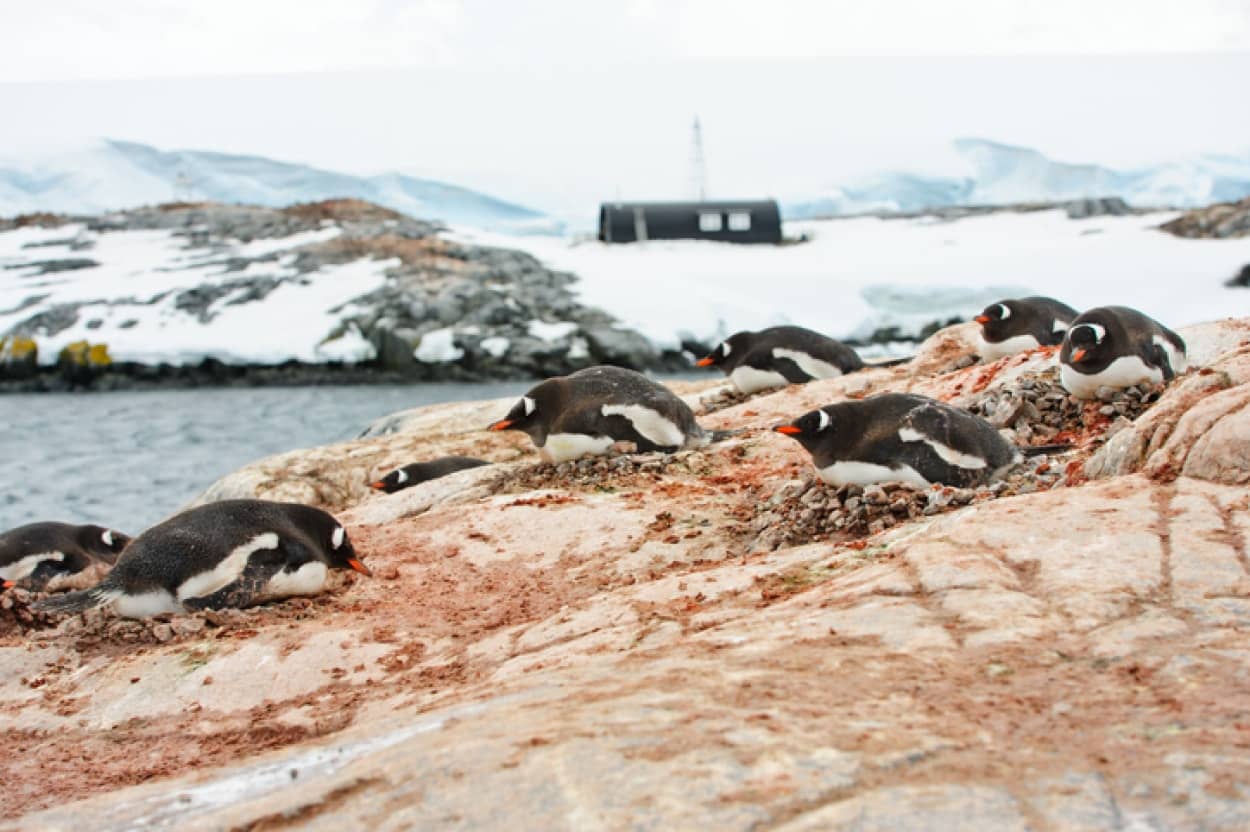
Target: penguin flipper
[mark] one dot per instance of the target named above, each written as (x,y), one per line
(1158,356)
(242,592)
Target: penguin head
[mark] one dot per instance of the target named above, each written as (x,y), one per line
(1085,343)
(526,413)
(104,543)
(727,353)
(340,553)
(392,482)
(810,428)
(994,319)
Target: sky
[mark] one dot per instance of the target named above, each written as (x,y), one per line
(561,103)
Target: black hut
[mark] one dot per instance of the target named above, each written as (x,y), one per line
(744,221)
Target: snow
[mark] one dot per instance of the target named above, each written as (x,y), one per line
(496,346)
(544,331)
(438,346)
(858,275)
(131,298)
(350,347)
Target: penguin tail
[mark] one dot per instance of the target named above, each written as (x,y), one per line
(889,362)
(72,602)
(1044,450)
(722,435)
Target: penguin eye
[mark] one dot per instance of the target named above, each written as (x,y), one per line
(724,349)
(107,537)
(1004,311)
(336,539)
(529,404)
(824,420)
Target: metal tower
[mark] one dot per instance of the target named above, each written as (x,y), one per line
(698,167)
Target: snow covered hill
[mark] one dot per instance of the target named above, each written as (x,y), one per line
(112,175)
(990,173)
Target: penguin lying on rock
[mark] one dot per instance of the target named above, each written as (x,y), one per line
(420,472)
(587,412)
(900,437)
(1118,347)
(229,554)
(781,355)
(1022,324)
(47,557)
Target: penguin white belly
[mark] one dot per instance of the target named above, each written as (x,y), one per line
(991,351)
(751,380)
(649,423)
(869,473)
(145,604)
(1123,372)
(945,452)
(227,570)
(308,579)
(22,568)
(561,447)
(814,367)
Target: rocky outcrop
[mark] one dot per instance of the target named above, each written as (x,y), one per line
(1226,219)
(683,641)
(442,310)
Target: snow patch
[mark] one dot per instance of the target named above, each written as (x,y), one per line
(438,346)
(496,346)
(544,331)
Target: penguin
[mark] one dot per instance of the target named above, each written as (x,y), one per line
(900,437)
(1118,347)
(780,355)
(1021,324)
(420,472)
(234,553)
(48,557)
(586,412)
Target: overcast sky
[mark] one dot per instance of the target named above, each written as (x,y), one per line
(563,102)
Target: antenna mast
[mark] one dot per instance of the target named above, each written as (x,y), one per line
(698,167)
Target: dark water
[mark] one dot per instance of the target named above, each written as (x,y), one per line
(128,459)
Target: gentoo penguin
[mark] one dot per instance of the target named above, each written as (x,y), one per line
(1117,347)
(780,355)
(55,556)
(899,437)
(1021,324)
(589,410)
(420,472)
(228,554)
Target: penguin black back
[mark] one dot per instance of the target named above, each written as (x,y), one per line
(1020,324)
(48,556)
(901,437)
(1117,347)
(419,472)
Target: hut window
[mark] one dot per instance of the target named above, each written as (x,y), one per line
(709,222)
(740,221)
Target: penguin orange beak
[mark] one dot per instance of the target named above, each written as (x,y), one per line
(706,361)
(359,567)
(502,424)
(982,319)
(7,585)
(1077,355)
(788,430)
(379,485)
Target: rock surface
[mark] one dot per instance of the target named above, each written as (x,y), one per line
(1226,219)
(642,642)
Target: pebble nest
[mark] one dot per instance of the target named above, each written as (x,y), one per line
(808,510)
(606,473)
(729,397)
(1037,410)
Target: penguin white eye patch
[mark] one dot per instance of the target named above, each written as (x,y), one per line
(725,348)
(824,420)
(107,537)
(529,404)
(336,539)
(1099,332)
(1006,311)
(401,479)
